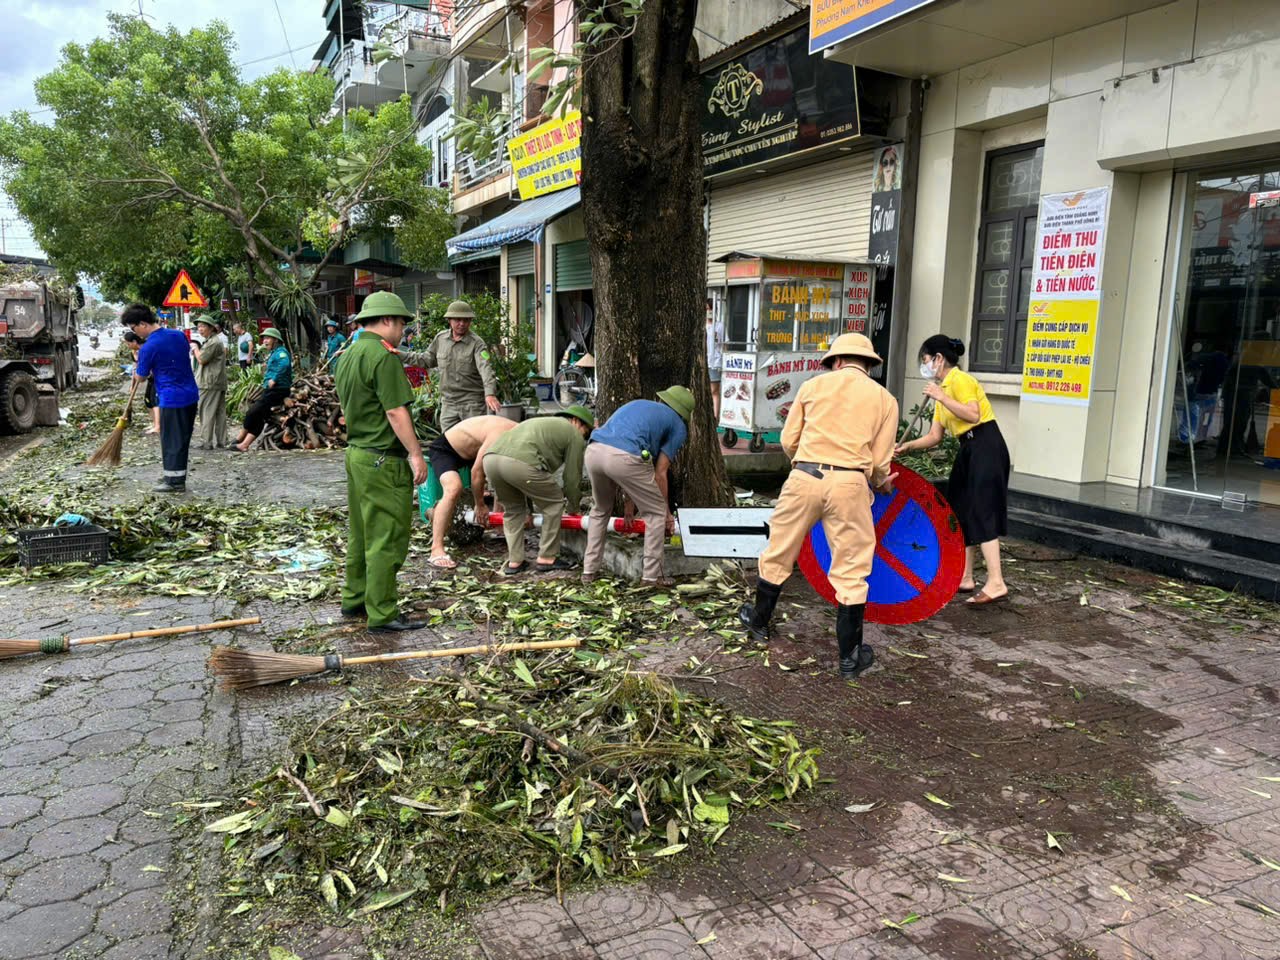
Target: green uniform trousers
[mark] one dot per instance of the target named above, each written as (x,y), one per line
(453,412)
(380,508)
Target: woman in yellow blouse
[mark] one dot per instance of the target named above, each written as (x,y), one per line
(979,485)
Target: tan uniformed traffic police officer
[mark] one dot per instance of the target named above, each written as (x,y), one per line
(839,435)
(468,385)
(384,461)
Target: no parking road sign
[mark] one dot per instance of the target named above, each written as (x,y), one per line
(919,556)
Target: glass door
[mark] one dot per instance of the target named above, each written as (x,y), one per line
(1225,428)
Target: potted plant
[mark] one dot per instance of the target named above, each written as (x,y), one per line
(511,350)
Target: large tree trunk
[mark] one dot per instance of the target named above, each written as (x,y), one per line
(642,202)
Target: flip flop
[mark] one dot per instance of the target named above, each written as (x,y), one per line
(509,571)
(980,599)
(443,562)
(558,564)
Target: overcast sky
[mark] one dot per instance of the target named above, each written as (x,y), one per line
(33,32)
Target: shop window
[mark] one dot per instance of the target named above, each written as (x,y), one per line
(1006,252)
(738,321)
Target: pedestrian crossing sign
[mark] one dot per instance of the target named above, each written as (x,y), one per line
(184,293)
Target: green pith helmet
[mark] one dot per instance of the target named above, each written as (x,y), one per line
(384,303)
(459,310)
(272,332)
(332,322)
(212,320)
(579,412)
(678,399)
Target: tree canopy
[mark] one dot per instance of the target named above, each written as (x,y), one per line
(160,155)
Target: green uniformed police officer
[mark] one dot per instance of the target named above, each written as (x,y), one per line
(468,385)
(384,461)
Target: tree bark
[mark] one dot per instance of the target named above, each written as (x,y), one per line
(642,200)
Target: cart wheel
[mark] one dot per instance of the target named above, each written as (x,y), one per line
(729,438)
(757,443)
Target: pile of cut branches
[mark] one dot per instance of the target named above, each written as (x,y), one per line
(309,419)
(515,774)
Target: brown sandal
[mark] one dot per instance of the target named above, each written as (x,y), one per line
(980,599)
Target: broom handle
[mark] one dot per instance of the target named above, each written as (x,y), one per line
(128,407)
(462,651)
(164,632)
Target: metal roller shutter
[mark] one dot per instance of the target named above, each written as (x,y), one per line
(573,266)
(409,294)
(520,259)
(823,210)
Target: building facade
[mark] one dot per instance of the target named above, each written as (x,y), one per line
(1160,307)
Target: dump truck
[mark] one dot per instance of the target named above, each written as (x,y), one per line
(39,357)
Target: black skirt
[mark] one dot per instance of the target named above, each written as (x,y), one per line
(979,484)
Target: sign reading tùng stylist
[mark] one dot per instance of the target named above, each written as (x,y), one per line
(1066,289)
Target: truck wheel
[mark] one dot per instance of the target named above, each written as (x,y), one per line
(17,402)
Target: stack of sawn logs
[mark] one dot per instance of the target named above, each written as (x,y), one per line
(309,419)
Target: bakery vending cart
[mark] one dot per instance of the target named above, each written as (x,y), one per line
(780,315)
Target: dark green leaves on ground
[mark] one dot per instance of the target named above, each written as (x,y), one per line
(487,780)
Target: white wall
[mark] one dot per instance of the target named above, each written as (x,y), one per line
(1117,104)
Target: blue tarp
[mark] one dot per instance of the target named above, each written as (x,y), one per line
(523,222)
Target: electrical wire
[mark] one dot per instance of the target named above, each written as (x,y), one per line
(280,17)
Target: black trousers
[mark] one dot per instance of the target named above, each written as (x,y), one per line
(256,417)
(176,424)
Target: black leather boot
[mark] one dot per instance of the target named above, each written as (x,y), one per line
(855,656)
(756,616)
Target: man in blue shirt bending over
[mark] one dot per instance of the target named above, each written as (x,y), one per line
(633,453)
(167,354)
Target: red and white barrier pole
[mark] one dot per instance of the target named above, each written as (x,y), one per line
(570,521)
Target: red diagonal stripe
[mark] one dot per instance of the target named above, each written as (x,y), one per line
(901,569)
(895,508)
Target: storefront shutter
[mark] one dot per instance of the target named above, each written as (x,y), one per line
(822,210)
(408,292)
(520,259)
(573,266)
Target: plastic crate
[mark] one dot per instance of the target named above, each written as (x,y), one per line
(429,493)
(87,543)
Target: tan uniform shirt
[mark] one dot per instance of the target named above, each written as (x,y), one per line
(211,370)
(465,371)
(846,419)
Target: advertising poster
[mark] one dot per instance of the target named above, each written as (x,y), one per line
(549,157)
(737,391)
(886,202)
(1066,288)
(857,299)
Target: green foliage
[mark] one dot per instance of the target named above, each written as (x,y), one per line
(481,130)
(511,350)
(160,156)
(440,788)
(931,464)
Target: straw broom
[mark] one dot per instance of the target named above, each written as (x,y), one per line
(109,453)
(241,669)
(17,648)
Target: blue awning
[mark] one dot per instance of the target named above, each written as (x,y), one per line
(523,222)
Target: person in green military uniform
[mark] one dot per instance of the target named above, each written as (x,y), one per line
(521,465)
(384,461)
(468,385)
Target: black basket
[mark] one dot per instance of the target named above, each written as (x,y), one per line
(87,543)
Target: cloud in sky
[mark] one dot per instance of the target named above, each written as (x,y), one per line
(35,31)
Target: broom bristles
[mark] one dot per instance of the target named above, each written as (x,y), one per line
(109,453)
(18,648)
(241,669)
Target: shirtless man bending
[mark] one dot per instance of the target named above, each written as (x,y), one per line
(462,445)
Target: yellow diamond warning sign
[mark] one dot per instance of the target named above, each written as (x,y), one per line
(184,293)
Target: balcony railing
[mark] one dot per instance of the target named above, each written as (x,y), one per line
(472,173)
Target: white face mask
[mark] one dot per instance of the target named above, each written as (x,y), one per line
(926,370)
